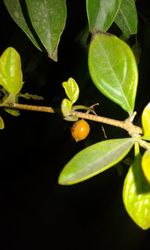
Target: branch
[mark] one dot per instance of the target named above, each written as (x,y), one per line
(29,107)
(126,125)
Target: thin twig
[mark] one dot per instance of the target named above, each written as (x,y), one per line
(29,107)
(126,125)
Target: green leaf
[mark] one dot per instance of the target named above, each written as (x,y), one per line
(146,122)
(94,160)
(113,69)
(10,71)
(15,10)
(71,89)
(1,123)
(13,112)
(126,18)
(136,194)
(66,106)
(48,19)
(101,13)
(146,164)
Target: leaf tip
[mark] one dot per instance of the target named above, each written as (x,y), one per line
(62,180)
(53,55)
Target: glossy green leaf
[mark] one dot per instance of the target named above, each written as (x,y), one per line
(94,160)
(66,106)
(48,18)
(1,123)
(101,13)
(71,89)
(126,18)
(146,164)
(146,122)
(136,194)
(13,112)
(113,69)
(10,71)
(15,10)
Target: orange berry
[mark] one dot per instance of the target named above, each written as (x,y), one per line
(80,130)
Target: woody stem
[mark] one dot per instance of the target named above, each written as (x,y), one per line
(126,125)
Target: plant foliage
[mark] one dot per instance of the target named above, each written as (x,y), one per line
(113,70)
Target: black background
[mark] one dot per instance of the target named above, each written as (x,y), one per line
(36,212)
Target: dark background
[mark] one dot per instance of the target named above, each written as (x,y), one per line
(36,212)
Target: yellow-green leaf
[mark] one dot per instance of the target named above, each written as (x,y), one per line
(66,106)
(146,164)
(71,89)
(146,122)
(13,112)
(136,194)
(10,71)
(1,123)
